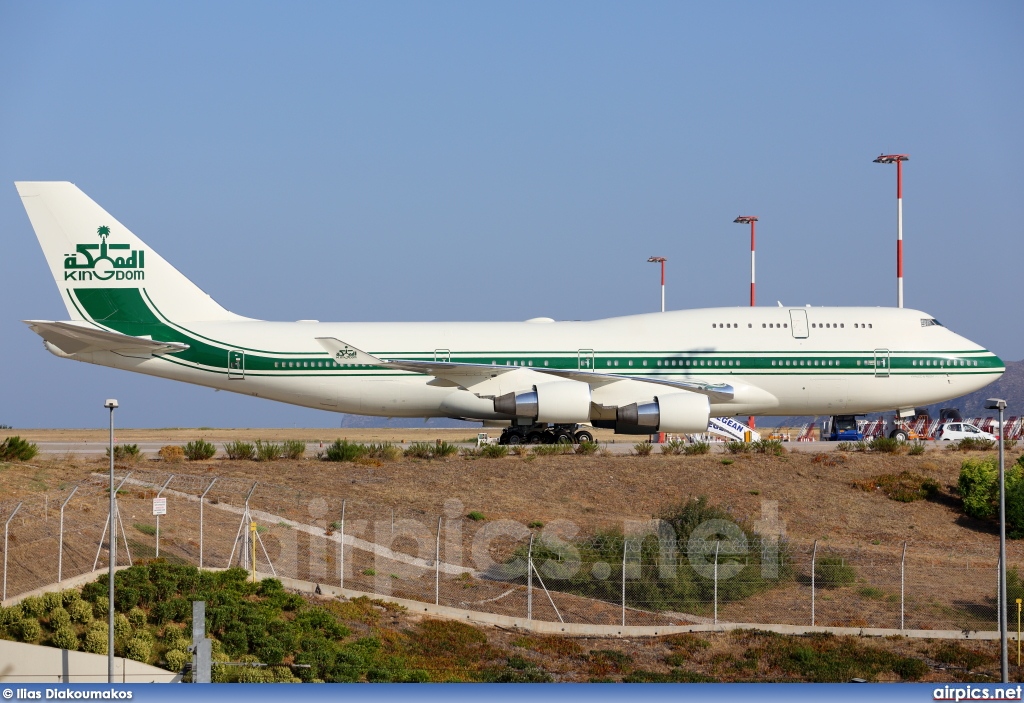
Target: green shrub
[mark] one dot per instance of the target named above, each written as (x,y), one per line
(59,617)
(385,451)
(33,606)
(139,649)
(145,529)
(122,628)
(125,452)
(80,611)
(832,572)
(176,659)
(846,446)
(96,638)
(267,451)
(904,487)
(916,449)
(420,450)
(697,448)
(64,637)
(443,449)
(553,449)
(343,450)
(51,600)
(476,515)
(199,450)
(523,450)
(737,447)
(587,448)
(643,448)
(970,444)
(240,451)
(171,453)
(860,446)
(673,447)
(17,449)
(772,447)
(978,487)
(10,615)
(137,617)
(28,630)
(293,448)
(494,451)
(886,445)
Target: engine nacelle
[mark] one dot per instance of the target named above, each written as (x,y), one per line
(558,402)
(672,412)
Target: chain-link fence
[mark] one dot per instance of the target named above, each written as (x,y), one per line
(638,573)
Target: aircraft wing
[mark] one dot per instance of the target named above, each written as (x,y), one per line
(465,374)
(77,338)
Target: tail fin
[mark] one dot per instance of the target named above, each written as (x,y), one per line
(101,268)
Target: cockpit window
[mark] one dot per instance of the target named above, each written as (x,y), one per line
(930,321)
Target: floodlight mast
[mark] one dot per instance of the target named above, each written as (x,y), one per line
(897,159)
(752,221)
(660,260)
(110,404)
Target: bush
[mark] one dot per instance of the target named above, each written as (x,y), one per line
(979,487)
(385,451)
(51,600)
(476,515)
(904,487)
(916,449)
(172,453)
(643,448)
(697,448)
(886,445)
(846,446)
(443,449)
(125,452)
(33,607)
(64,637)
(523,450)
(553,449)
(145,529)
(96,638)
(832,572)
(59,617)
(176,659)
(28,630)
(673,447)
(267,451)
(122,628)
(17,449)
(293,448)
(737,447)
(772,447)
(80,611)
(199,450)
(586,448)
(419,450)
(970,444)
(343,450)
(139,649)
(137,617)
(240,451)
(494,451)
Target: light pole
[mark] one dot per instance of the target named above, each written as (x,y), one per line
(1000,405)
(111,404)
(660,260)
(897,159)
(750,219)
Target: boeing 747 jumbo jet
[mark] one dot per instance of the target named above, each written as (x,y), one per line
(130,309)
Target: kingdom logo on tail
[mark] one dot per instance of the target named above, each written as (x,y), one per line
(105,267)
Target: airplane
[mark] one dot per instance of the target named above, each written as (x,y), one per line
(658,372)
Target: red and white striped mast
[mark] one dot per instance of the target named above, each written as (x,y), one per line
(897,159)
(660,260)
(744,219)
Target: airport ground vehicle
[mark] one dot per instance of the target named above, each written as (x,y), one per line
(843,428)
(953,431)
(543,433)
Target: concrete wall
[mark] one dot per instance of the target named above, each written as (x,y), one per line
(32,663)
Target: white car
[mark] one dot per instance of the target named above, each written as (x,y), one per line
(952,431)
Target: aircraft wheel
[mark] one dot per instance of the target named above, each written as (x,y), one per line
(534,438)
(563,438)
(548,437)
(514,438)
(899,434)
(584,436)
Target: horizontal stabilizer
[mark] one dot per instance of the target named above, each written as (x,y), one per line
(77,338)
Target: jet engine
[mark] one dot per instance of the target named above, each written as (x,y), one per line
(671,412)
(558,402)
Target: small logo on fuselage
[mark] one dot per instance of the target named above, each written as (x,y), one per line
(107,266)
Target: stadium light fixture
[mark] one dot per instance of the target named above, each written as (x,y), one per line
(897,159)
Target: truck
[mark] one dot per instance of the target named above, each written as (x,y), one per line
(545,433)
(843,428)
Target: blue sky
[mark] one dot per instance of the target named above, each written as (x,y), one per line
(472,161)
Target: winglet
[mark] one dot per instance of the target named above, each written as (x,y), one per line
(347,354)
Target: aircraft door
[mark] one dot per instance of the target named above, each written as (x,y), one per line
(881,363)
(585,359)
(236,364)
(798,318)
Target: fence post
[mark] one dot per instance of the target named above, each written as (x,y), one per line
(6,525)
(624,540)
(716,581)
(60,544)
(166,483)
(437,565)
(341,561)
(814,556)
(202,499)
(529,581)
(903,566)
